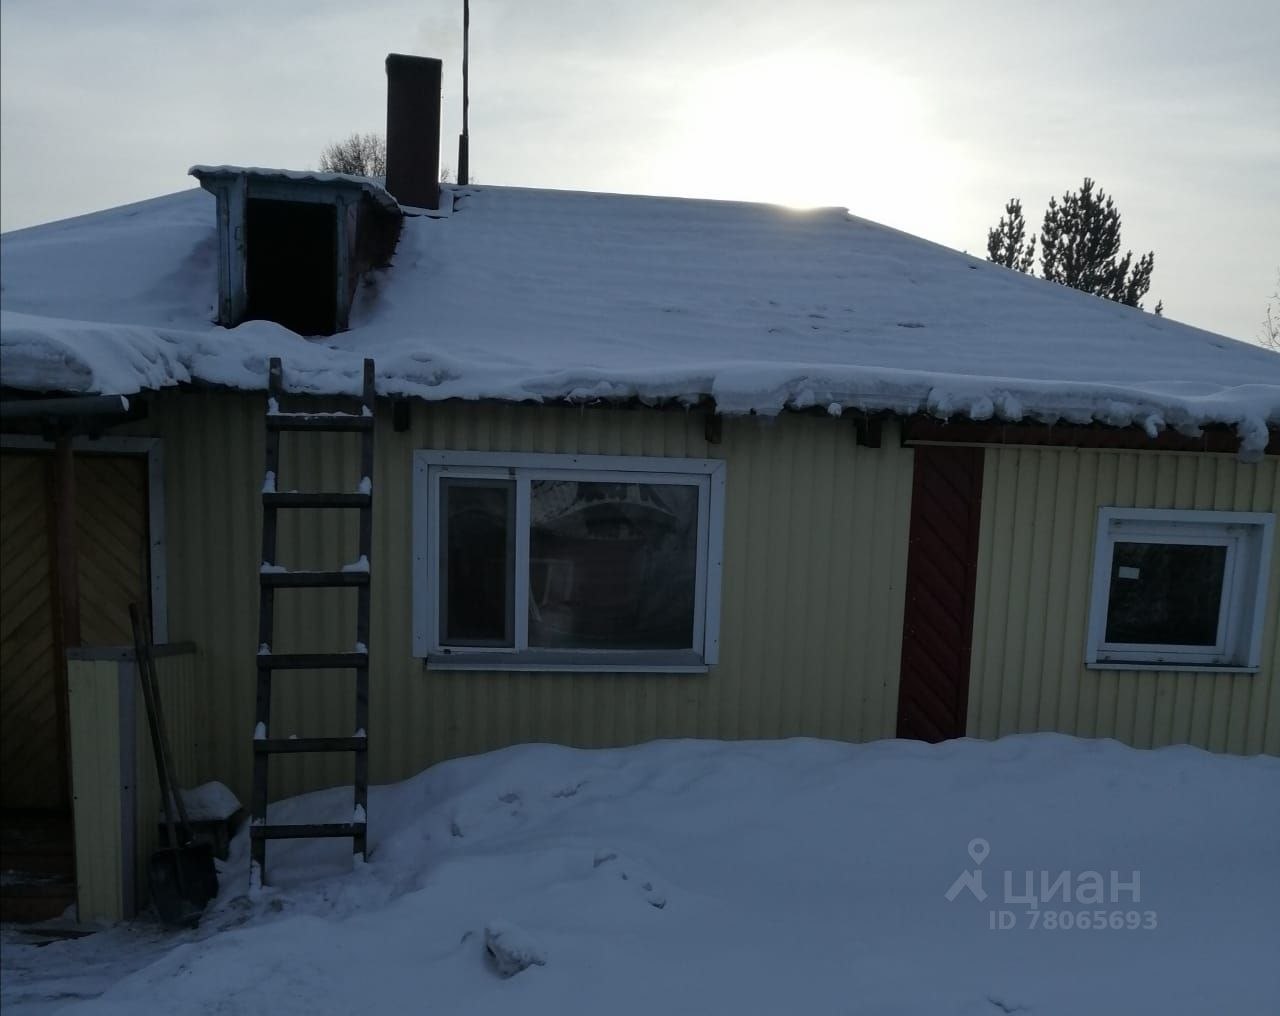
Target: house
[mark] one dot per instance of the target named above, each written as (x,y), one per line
(644,468)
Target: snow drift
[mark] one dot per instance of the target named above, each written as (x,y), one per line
(782,877)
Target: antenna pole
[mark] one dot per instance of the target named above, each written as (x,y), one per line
(464,140)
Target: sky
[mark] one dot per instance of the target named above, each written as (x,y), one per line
(925,115)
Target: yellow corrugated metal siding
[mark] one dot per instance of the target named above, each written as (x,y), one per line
(1039,517)
(811,626)
(106,783)
(93,695)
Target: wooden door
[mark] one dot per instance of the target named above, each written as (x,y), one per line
(942,566)
(32,753)
(112,548)
(112,545)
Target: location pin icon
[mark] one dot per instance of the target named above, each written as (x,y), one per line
(979,849)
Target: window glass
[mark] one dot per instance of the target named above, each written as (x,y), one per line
(477,561)
(612,565)
(1165,593)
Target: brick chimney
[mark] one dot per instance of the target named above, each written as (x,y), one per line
(413,130)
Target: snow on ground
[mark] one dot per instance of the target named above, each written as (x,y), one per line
(762,877)
(39,980)
(533,294)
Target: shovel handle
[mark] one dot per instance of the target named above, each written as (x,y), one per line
(184,822)
(159,742)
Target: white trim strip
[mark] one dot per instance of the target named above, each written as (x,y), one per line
(715,563)
(575,463)
(423,600)
(520,573)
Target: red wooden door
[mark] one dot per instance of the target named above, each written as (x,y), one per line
(937,631)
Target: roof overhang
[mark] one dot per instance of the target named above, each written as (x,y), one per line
(295,185)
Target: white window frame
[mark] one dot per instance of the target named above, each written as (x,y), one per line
(1247,537)
(430,466)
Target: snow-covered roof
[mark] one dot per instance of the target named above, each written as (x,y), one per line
(535,294)
(373,187)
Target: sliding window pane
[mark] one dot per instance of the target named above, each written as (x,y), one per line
(477,562)
(612,565)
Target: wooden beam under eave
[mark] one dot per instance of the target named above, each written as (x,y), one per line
(66,569)
(920,430)
(67,558)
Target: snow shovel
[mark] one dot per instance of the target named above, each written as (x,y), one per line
(182,877)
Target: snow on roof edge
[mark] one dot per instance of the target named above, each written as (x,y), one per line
(131,359)
(372,186)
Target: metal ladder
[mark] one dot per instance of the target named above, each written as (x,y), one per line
(271,578)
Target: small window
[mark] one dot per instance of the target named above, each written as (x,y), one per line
(1179,589)
(554,562)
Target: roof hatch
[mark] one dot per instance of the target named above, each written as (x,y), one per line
(292,246)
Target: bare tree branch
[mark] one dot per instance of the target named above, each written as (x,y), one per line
(1270,334)
(358,154)
(362,155)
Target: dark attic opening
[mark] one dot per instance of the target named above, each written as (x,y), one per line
(291,270)
(293,246)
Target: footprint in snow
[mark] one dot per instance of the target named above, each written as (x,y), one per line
(629,871)
(513,799)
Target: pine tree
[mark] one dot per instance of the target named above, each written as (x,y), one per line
(1007,244)
(1079,247)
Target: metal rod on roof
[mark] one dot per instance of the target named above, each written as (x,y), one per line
(464,140)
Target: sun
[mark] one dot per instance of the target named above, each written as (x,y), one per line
(807,130)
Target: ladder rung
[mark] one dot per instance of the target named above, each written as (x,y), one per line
(293,745)
(313,579)
(316,830)
(316,500)
(319,421)
(311,661)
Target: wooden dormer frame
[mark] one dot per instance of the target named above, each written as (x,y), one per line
(367,221)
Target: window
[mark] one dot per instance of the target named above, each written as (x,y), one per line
(563,562)
(1179,589)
